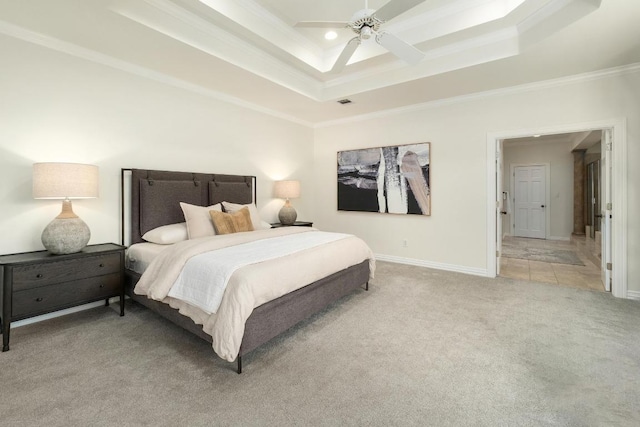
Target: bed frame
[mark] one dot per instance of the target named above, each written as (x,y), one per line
(150,198)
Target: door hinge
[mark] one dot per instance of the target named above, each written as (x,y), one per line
(609,206)
(609,146)
(609,266)
(498,254)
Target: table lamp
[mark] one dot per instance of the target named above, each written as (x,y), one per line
(287,190)
(67,233)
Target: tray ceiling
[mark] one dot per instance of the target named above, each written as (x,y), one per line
(250,50)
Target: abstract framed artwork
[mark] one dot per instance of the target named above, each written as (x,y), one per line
(392,179)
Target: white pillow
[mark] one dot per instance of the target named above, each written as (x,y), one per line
(198,220)
(258,223)
(167,234)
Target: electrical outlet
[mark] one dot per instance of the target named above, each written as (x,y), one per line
(405,243)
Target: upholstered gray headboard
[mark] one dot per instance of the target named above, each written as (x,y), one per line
(155,196)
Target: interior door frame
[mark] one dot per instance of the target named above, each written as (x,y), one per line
(547,196)
(618,128)
(501,204)
(606,223)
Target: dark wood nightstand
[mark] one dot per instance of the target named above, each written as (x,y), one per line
(35,283)
(295,224)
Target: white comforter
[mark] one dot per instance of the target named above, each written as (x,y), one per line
(252,285)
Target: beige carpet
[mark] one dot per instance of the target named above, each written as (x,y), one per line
(422,347)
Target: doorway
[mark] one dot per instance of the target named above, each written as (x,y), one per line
(540,244)
(615,152)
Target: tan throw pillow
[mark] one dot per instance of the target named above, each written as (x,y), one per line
(258,223)
(198,220)
(227,223)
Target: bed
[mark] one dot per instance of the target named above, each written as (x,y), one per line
(151,199)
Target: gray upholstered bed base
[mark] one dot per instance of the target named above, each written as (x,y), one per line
(274,317)
(266,321)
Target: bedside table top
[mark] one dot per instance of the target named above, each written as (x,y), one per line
(26,257)
(295,224)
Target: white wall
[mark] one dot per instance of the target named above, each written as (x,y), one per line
(560,160)
(455,235)
(55,107)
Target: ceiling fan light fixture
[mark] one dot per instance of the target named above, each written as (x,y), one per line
(366,23)
(365,32)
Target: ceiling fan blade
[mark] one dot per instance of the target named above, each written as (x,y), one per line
(400,48)
(395,8)
(321,24)
(346,54)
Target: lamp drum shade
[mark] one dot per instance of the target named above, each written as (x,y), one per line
(65,180)
(67,233)
(287,189)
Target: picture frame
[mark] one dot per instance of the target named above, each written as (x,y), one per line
(392,179)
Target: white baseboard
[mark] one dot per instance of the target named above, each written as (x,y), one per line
(633,295)
(430,264)
(53,315)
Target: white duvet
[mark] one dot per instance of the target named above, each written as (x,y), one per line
(251,285)
(204,277)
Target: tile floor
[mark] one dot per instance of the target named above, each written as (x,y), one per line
(578,276)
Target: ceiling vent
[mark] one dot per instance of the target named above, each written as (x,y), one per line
(344,101)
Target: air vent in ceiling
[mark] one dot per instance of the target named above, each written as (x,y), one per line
(344,101)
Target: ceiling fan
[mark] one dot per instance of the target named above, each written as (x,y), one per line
(367,22)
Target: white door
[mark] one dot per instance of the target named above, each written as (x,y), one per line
(500,203)
(529,201)
(606,208)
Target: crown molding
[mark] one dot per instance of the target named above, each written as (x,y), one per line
(109,61)
(190,29)
(259,21)
(528,87)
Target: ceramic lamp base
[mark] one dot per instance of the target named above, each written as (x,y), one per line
(66,234)
(287,214)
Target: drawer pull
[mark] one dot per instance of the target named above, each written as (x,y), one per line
(101,265)
(39,299)
(39,276)
(102,286)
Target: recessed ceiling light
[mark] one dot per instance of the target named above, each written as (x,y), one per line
(536,136)
(330,35)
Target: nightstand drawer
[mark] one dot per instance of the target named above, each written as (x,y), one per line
(44,299)
(36,275)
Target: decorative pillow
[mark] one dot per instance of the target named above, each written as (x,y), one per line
(167,234)
(258,223)
(227,223)
(198,220)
